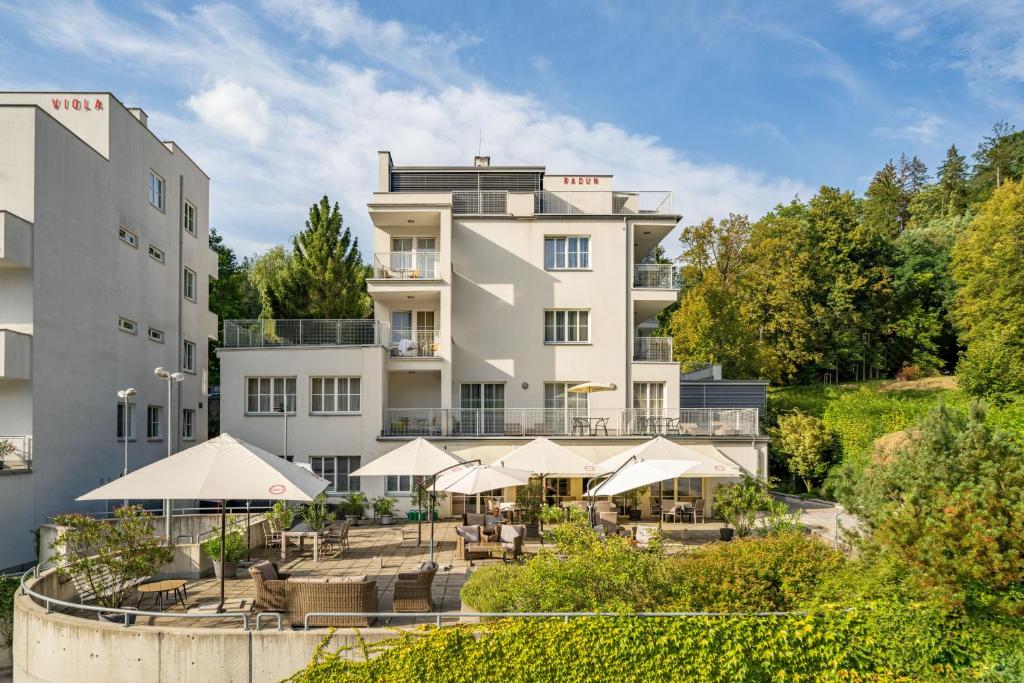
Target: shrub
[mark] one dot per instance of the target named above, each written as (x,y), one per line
(318,515)
(109,557)
(282,514)
(806,444)
(992,369)
(739,503)
(8,587)
(354,504)
(383,506)
(235,547)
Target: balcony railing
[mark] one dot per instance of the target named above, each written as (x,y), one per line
(270,333)
(530,422)
(409,343)
(15,453)
(407,265)
(602,202)
(484,202)
(652,349)
(654,276)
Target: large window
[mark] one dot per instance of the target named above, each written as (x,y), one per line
(156,190)
(189,284)
(335,469)
(265,395)
(190,218)
(566,327)
(649,397)
(483,408)
(401,483)
(678,489)
(562,253)
(414,257)
(125,426)
(188,424)
(188,357)
(331,395)
(153,422)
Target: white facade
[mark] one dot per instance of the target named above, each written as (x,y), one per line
(495,289)
(99,220)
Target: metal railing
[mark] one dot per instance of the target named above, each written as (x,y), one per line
(480,203)
(409,343)
(602,202)
(313,332)
(655,276)
(652,349)
(16,452)
(690,422)
(407,265)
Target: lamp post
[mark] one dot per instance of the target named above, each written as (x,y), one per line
(171,378)
(124,395)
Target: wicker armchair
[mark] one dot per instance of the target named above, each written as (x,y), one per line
(412,589)
(471,545)
(511,536)
(343,594)
(270,592)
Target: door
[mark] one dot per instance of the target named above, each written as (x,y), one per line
(402,343)
(483,408)
(401,256)
(426,257)
(426,334)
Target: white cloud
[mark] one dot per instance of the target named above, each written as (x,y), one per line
(311,124)
(916,125)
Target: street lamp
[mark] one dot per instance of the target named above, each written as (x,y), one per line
(124,395)
(171,378)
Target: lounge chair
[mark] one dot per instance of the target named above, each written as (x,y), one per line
(413,589)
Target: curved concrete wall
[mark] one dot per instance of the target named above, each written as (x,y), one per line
(57,648)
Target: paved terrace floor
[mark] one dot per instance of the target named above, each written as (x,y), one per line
(381,553)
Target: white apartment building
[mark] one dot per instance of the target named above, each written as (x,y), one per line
(495,290)
(104,274)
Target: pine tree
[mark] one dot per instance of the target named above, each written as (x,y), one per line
(952,177)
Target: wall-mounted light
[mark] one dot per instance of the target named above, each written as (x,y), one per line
(525,385)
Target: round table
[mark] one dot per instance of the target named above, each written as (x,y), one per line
(162,587)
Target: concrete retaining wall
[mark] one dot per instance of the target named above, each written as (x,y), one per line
(57,648)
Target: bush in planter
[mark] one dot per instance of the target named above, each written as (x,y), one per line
(739,503)
(421,499)
(282,515)
(530,498)
(632,499)
(235,548)
(384,507)
(355,505)
(110,557)
(317,515)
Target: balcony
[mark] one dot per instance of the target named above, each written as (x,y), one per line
(655,276)
(602,202)
(652,350)
(15,454)
(249,334)
(407,265)
(409,343)
(531,422)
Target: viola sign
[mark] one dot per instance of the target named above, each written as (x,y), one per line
(77,103)
(580,180)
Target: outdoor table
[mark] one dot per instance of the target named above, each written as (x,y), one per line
(161,587)
(301,534)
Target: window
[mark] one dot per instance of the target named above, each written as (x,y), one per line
(128,237)
(190,218)
(188,357)
(567,327)
(562,406)
(153,422)
(156,190)
(680,489)
(483,408)
(335,469)
(123,425)
(649,397)
(188,424)
(189,284)
(566,253)
(399,483)
(126,325)
(334,395)
(155,335)
(266,394)
(156,254)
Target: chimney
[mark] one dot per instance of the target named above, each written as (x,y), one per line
(140,115)
(481,161)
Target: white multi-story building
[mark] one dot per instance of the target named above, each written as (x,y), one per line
(104,273)
(495,289)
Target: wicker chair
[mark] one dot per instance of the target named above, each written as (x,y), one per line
(511,537)
(270,586)
(471,549)
(412,589)
(348,594)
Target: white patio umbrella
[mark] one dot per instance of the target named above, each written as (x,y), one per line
(416,458)
(641,473)
(222,469)
(590,388)
(479,478)
(710,462)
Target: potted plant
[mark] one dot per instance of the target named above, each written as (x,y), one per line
(384,508)
(737,504)
(530,498)
(353,507)
(425,502)
(317,515)
(281,515)
(234,549)
(109,558)
(632,499)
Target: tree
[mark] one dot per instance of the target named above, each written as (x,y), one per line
(806,443)
(913,174)
(1000,157)
(951,504)
(952,177)
(323,275)
(232,294)
(886,203)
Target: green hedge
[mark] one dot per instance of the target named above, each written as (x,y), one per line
(8,587)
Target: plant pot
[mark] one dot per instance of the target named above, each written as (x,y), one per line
(634,515)
(386,520)
(352,519)
(532,531)
(725,533)
(115,617)
(230,569)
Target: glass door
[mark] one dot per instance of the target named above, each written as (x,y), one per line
(402,343)
(402,256)
(426,257)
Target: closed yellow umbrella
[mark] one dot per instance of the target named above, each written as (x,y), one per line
(591,388)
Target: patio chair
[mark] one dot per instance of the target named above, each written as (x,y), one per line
(511,536)
(698,510)
(580,426)
(471,543)
(272,535)
(307,594)
(672,426)
(673,514)
(270,591)
(601,424)
(336,537)
(412,589)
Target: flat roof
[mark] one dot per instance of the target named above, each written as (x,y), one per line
(470,169)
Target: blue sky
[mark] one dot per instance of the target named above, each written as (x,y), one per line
(733,106)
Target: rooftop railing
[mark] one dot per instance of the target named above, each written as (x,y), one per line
(407,265)
(602,202)
(480,203)
(530,422)
(16,453)
(652,350)
(655,276)
(247,334)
